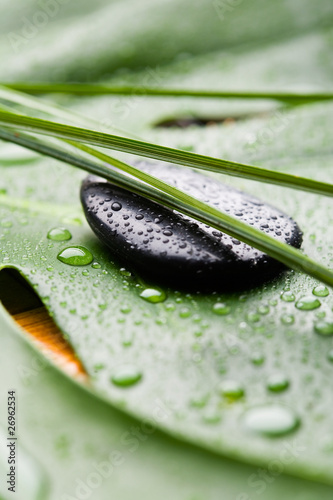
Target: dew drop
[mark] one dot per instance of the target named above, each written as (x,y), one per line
(320,291)
(96,265)
(185,312)
(221,308)
(126,375)
(288,296)
(257,358)
(59,234)
(125,309)
(272,420)
(324,328)
(170,306)
(307,303)
(116,206)
(75,256)
(231,389)
(277,382)
(153,295)
(330,356)
(253,317)
(124,272)
(263,309)
(287,319)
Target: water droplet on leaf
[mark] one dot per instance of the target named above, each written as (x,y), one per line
(320,291)
(287,319)
(271,420)
(221,308)
(324,328)
(277,382)
(288,296)
(153,295)
(126,375)
(75,256)
(231,389)
(307,303)
(59,234)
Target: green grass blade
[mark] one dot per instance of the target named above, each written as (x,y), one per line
(92,89)
(13,97)
(182,202)
(163,153)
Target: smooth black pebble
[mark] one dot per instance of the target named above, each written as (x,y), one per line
(174,249)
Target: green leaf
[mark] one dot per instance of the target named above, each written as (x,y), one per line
(189,357)
(94,89)
(71,434)
(183,339)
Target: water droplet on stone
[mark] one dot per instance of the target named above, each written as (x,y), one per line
(59,234)
(153,295)
(271,420)
(116,206)
(126,375)
(75,256)
(307,303)
(191,256)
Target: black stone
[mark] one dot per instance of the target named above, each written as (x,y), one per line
(174,249)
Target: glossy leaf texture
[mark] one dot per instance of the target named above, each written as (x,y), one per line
(208,360)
